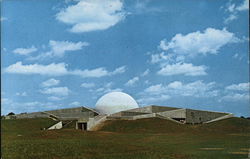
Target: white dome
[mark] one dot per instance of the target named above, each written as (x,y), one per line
(115,102)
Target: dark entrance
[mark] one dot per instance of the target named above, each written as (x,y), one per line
(82,126)
(180,119)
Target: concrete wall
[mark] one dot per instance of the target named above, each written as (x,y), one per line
(147,109)
(144,116)
(93,122)
(152,109)
(178,113)
(221,118)
(74,115)
(156,109)
(56,126)
(127,113)
(198,116)
(31,115)
(61,114)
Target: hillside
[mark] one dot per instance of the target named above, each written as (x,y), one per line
(156,125)
(25,126)
(140,139)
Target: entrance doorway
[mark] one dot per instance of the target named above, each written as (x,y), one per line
(82,126)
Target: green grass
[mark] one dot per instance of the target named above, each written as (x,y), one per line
(139,139)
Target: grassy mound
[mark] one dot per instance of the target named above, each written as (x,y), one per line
(156,125)
(25,126)
(140,139)
(230,125)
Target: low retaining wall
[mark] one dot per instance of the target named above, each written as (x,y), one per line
(93,122)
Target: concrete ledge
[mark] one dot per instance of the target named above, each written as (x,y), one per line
(220,118)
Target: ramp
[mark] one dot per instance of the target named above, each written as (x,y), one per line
(56,126)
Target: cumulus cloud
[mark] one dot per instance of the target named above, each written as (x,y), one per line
(75,104)
(58,48)
(237,56)
(57,91)
(9,105)
(51,69)
(236,92)
(25,51)
(177,88)
(50,82)
(175,53)
(239,87)
(119,70)
(234,10)
(132,81)
(160,92)
(21,94)
(153,99)
(230,18)
(108,87)
(236,97)
(87,85)
(195,43)
(145,73)
(54,98)
(59,69)
(186,69)
(92,15)
(161,57)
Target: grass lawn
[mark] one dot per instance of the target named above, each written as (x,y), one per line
(140,139)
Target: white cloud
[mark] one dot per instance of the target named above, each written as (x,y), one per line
(9,105)
(153,99)
(230,18)
(106,89)
(92,15)
(25,51)
(156,58)
(119,70)
(3,19)
(75,104)
(239,87)
(238,56)
(54,98)
(231,7)
(177,88)
(145,73)
(155,89)
(87,85)
(57,91)
(195,43)
(236,97)
(21,94)
(51,69)
(145,6)
(236,92)
(234,10)
(58,48)
(58,70)
(132,81)
(243,6)
(98,72)
(186,69)
(50,82)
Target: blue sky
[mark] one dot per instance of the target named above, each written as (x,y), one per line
(59,54)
